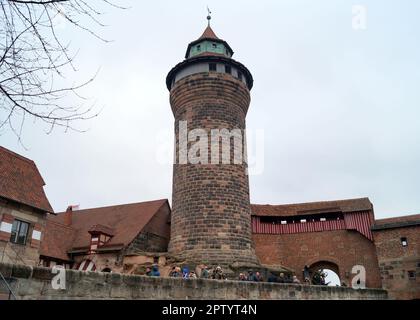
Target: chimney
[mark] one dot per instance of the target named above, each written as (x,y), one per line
(68,215)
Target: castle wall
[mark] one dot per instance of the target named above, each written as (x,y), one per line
(396,262)
(28,283)
(341,247)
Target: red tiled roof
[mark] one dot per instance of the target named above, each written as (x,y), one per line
(349,205)
(208,34)
(56,240)
(21,181)
(126,221)
(414,217)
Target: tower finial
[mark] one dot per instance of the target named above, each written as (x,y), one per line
(209,15)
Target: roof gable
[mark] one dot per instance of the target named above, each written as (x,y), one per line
(125,221)
(20,181)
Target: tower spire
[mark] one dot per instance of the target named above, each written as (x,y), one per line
(208,15)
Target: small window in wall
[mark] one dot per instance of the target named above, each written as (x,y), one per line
(412,275)
(214,45)
(239,75)
(212,66)
(19,232)
(228,69)
(404,242)
(199,48)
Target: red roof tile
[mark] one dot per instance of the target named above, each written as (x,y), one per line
(21,181)
(414,217)
(208,34)
(126,221)
(349,205)
(56,240)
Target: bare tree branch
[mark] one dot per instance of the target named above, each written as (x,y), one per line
(33,57)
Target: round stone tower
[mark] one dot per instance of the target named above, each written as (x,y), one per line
(211,215)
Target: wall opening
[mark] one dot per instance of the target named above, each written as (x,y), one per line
(324,273)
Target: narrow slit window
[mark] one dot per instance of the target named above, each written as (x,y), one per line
(228,69)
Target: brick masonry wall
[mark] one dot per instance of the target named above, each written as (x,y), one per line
(35,283)
(342,248)
(16,253)
(211,216)
(395,261)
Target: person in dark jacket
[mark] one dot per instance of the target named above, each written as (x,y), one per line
(250,275)
(258,277)
(272,278)
(155,271)
(306,275)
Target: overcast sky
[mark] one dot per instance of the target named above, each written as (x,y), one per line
(339,107)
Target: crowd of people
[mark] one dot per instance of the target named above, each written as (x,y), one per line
(217,273)
(317,278)
(185,273)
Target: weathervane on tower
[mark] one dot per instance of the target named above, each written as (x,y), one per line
(209,15)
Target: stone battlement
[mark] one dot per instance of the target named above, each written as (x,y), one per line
(35,283)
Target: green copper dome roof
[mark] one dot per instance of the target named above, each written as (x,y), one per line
(209,45)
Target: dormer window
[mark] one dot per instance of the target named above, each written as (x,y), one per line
(98,241)
(100,236)
(103,239)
